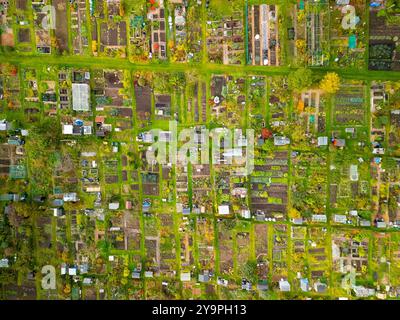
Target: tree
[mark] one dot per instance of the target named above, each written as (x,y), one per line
(249,271)
(229,224)
(300,79)
(330,83)
(177,81)
(222,8)
(129,6)
(5,234)
(22,210)
(179,53)
(104,247)
(67,288)
(301,46)
(48,133)
(144,77)
(293,213)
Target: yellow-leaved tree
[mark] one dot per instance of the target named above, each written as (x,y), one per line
(330,83)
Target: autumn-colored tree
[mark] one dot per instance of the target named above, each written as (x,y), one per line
(67,288)
(293,213)
(330,83)
(179,53)
(144,77)
(301,46)
(23,210)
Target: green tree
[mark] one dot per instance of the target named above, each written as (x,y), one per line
(104,247)
(300,79)
(48,132)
